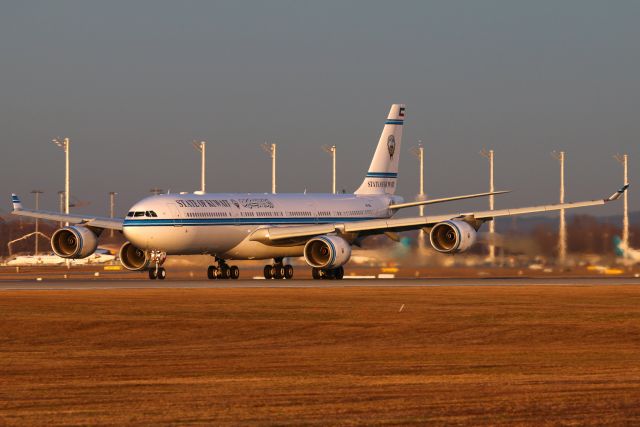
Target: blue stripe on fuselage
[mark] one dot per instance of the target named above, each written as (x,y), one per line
(155,222)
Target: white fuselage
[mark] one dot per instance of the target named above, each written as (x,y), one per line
(220,224)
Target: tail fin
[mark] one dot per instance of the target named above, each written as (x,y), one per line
(17,205)
(383,172)
(619,247)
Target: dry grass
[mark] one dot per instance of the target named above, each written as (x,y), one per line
(455,355)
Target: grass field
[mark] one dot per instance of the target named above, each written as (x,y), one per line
(452,355)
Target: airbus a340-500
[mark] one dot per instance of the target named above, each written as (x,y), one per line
(319,227)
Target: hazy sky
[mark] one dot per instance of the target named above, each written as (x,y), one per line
(134,82)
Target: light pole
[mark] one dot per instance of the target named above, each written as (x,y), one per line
(64,144)
(37,193)
(61,204)
(492,225)
(562,233)
(419,153)
(332,151)
(112,205)
(271,150)
(625,218)
(202,148)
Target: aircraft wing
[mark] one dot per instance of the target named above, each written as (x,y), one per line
(88,220)
(376,226)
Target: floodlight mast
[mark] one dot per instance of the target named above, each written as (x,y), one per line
(419,153)
(37,193)
(202,148)
(562,232)
(112,204)
(331,149)
(61,204)
(492,224)
(64,144)
(623,159)
(271,150)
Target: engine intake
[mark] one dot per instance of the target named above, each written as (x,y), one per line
(452,236)
(327,252)
(133,258)
(74,242)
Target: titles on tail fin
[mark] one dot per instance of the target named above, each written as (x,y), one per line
(383,172)
(17,205)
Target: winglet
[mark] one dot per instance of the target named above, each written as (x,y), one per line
(17,205)
(617,194)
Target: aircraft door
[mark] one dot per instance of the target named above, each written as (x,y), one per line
(174,212)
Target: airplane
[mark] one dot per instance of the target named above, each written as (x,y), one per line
(319,227)
(100,256)
(628,254)
(28,260)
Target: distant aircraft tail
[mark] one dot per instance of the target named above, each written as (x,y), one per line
(383,172)
(619,247)
(15,200)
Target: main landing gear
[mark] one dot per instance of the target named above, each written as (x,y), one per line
(278,270)
(327,273)
(223,271)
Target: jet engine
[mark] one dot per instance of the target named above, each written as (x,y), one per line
(452,236)
(327,252)
(74,242)
(133,258)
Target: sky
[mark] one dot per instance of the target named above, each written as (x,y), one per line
(133,83)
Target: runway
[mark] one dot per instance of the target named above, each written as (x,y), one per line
(106,284)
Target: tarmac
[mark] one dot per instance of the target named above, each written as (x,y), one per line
(106,284)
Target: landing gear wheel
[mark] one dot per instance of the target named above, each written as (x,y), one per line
(212,272)
(234,272)
(288,271)
(279,272)
(328,274)
(268,272)
(162,273)
(316,273)
(224,272)
(153,274)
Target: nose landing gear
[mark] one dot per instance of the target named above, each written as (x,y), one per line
(278,270)
(223,271)
(158,272)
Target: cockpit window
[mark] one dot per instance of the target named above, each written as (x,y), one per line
(149,214)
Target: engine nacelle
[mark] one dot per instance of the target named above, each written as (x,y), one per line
(133,258)
(74,242)
(452,236)
(327,252)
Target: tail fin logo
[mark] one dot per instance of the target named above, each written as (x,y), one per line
(391,145)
